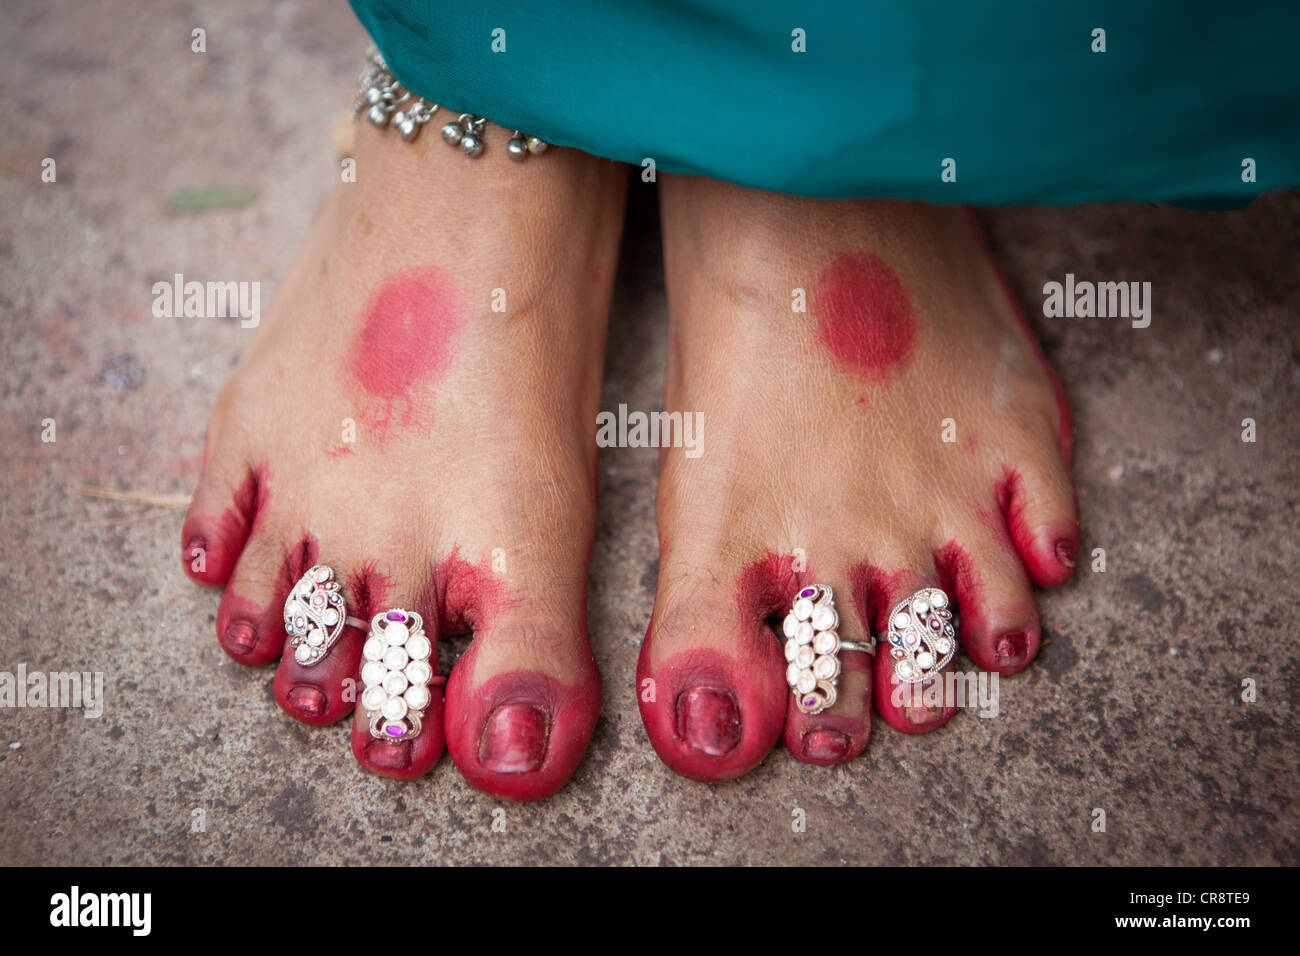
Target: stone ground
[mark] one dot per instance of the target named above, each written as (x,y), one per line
(1135,706)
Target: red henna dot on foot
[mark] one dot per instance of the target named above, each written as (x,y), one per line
(825,745)
(307,700)
(241,637)
(864,316)
(407,337)
(514,739)
(709,720)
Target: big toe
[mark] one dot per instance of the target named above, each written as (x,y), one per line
(711,687)
(522,704)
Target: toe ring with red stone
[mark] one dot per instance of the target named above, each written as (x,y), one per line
(314,615)
(922,635)
(812,649)
(396,674)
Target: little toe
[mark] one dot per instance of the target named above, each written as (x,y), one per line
(221,515)
(1042,517)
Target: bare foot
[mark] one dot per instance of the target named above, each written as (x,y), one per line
(904,430)
(437,452)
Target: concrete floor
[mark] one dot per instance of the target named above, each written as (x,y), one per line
(1135,706)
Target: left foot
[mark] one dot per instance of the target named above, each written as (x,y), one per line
(902,431)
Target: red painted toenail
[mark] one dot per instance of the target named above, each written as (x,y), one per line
(1065,552)
(709,720)
(389,756)
(514,739)
(241,637)
(307,699)
(920,716)
(825,745)
(1011,647)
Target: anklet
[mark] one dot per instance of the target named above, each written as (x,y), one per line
(386,102)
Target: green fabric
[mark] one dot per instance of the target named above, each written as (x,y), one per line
(885,92)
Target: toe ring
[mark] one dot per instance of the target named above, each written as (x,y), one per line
(314,615)
(922,635)
(396,674)
(862,646)
(812,649)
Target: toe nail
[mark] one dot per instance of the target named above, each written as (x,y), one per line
(241,637)
(709,720)
(920,716)
(389,756)
(923,703)
(1065,552)
(1011,647)
(825,745)
(514,739)
(307,699)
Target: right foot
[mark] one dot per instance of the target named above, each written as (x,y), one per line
(468,494)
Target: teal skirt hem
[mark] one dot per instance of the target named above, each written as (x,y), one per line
(1024,102)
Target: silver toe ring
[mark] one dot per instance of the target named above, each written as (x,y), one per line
(396,675)
(314,615)
(812,649)
(922,635)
